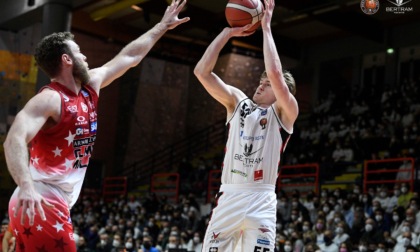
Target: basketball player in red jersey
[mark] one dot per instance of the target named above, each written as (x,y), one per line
(259,130)
(59,124)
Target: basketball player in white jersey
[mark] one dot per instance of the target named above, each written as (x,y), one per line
(258,133)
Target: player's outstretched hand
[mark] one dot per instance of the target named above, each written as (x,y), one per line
(170,18)
(268,8)
(30,200)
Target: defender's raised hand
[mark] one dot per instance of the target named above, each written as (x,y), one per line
(170,18)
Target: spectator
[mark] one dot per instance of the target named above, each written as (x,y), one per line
(328,245)
(341,233)
(147,245)
(195,243)
(371,234)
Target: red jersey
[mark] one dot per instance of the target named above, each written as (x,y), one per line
(60,155)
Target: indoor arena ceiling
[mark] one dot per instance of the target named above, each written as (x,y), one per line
(296,23)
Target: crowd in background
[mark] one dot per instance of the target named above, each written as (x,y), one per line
(337,220)
(380,219)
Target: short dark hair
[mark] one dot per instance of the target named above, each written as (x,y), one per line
(49,51)
(288,78)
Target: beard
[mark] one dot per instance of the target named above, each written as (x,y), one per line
(80,72)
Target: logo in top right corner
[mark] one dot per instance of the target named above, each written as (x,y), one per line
(399,7)
(369,7)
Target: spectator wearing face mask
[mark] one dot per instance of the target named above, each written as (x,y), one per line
(328,245)
(284,208)
(405,196)
(104,244)
(130,245)
(383,198)
(397,222)
(411,218)
(404,241)
(288,246)
(195,243)
(382,220)
(308,234)
(366,202)
(345,247)
(319,229)
(116,243)
(173,243)
(414,206)
(341,233)
(147,245)
(371,234)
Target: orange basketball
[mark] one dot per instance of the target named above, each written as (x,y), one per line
(242,12)
(370,4)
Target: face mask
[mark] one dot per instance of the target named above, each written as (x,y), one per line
(325,209)
(305,228)
(404,189)
(397,192)
(115,243)
(395,218)
(129,245)
(287,248)
(374,208)
(293,217)
(339,230)
(343,250)
(378,217)
(368,227)
(383,194)
(319,225)
(196,239)
(409,218)
(171,245)
(405,229)
(278,226)
(290,230)
(103,242)
(414,207)
(282,204)
(362,248)
(323,194)
(337,220)
(365,200)
(380,250)
(356,191)
(294,204)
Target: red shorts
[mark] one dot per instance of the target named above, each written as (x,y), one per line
(53,234)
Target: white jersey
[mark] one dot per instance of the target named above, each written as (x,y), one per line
(256,140)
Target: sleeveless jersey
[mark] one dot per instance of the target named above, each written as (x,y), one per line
(256,140)
(60,155)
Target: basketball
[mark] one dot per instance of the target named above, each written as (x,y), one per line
(242,12)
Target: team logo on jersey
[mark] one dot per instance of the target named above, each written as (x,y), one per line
(263,123)
(214,237)
(263,242)
(93,127)
(72,109)
(66,99)
(84,93)
(213,249)
(258,175)
(84,107)
(264,229)
(243,174)
(79,131)
(263,112)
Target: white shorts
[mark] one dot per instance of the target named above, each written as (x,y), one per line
(247,210)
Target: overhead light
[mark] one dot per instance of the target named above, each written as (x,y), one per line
(327,9)
(112,8)
(390,50)
(136,7)
(295,18)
